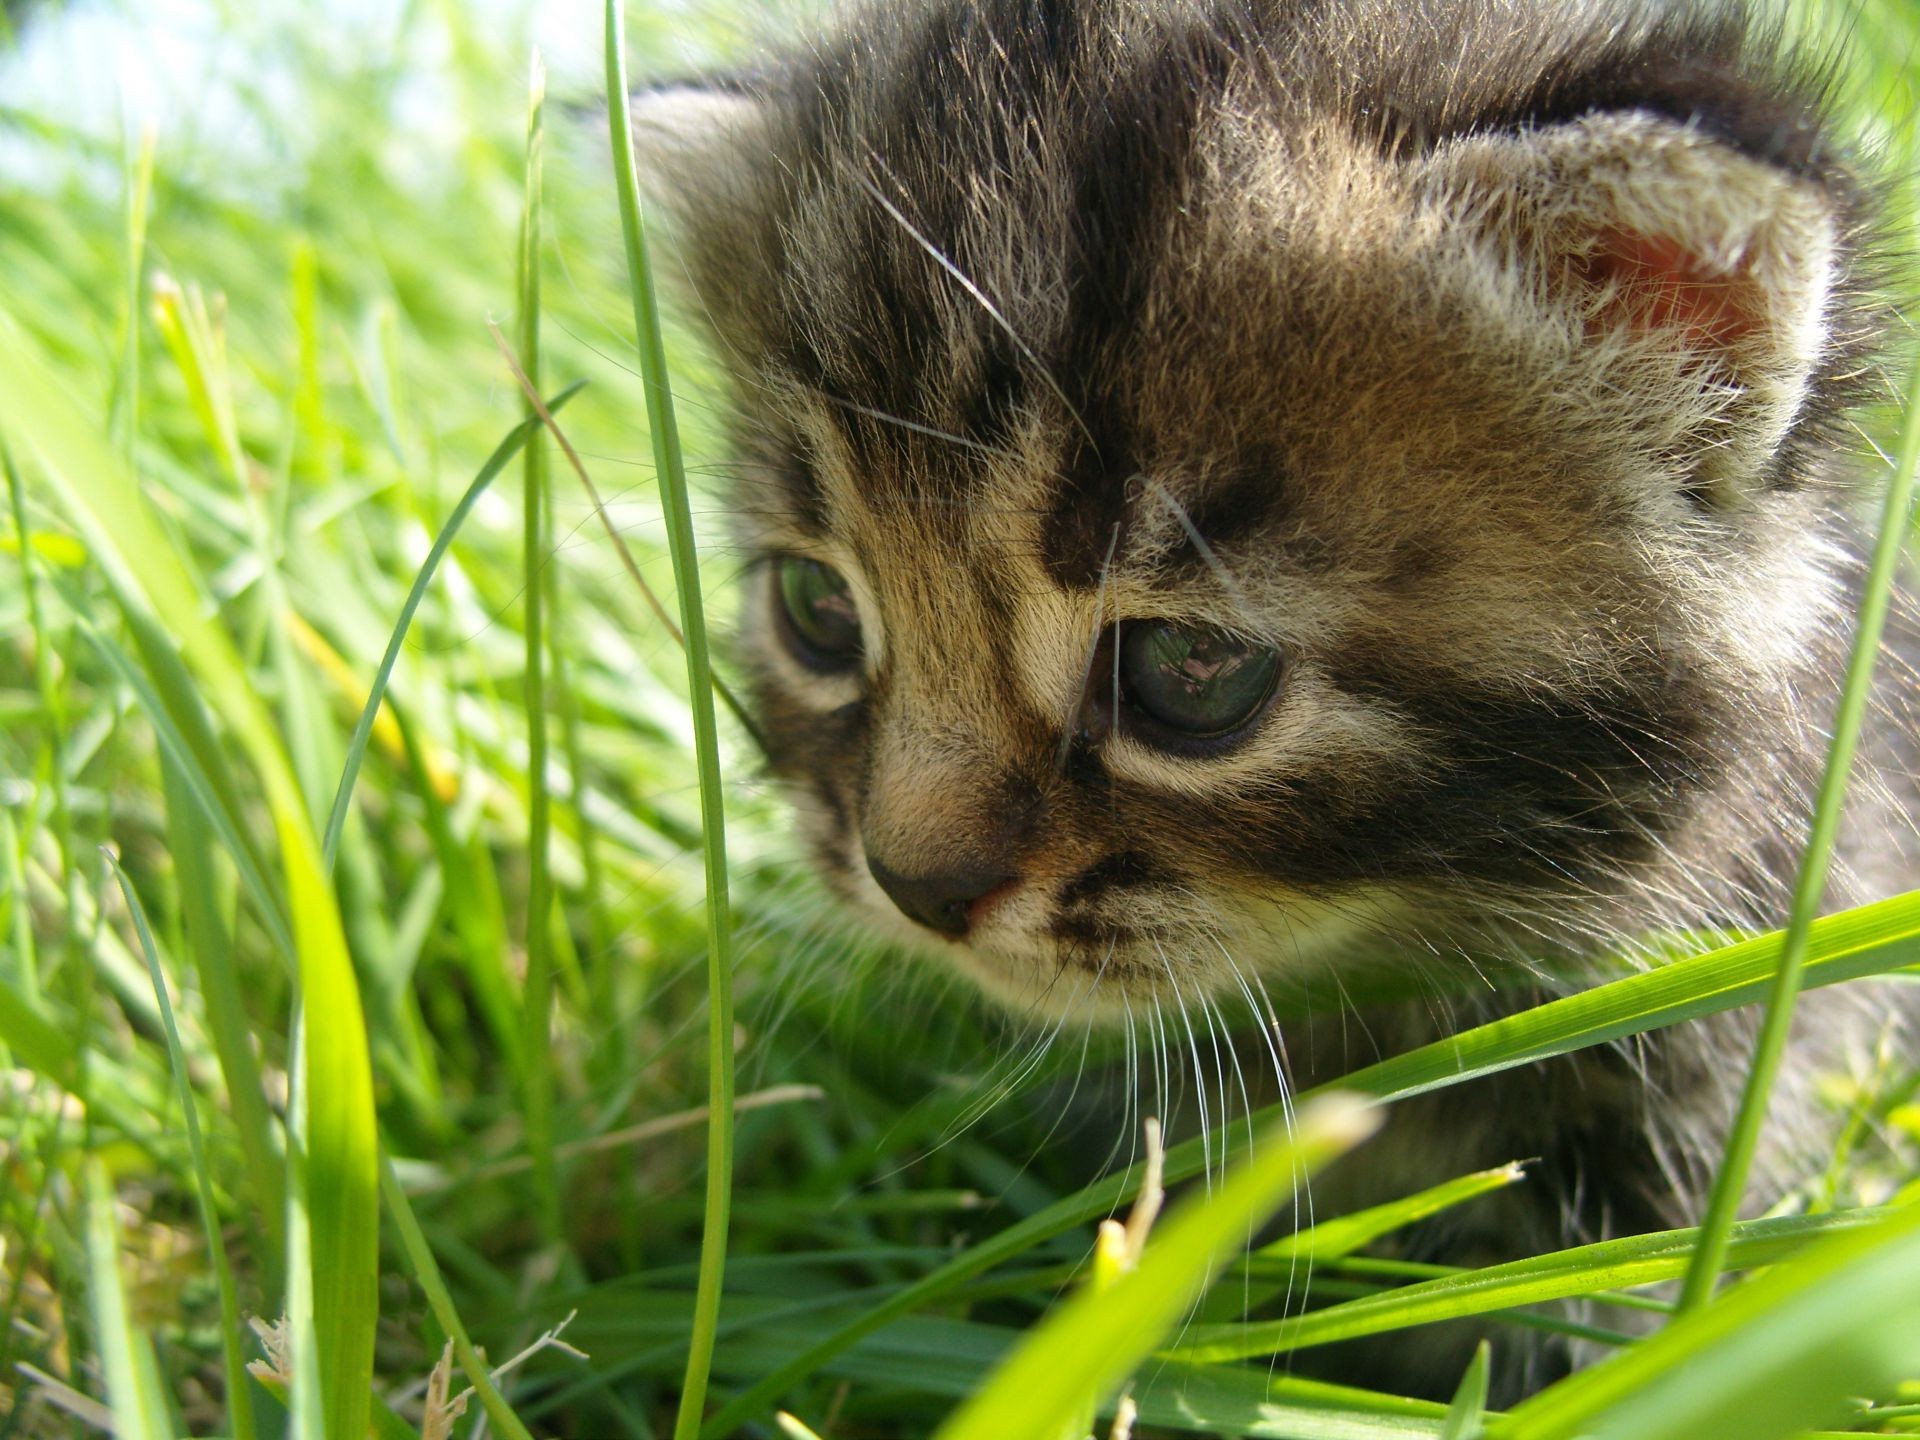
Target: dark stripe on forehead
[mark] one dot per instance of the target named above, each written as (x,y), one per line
(1087,522)
(899,118)
(1235,503)
(1132,164)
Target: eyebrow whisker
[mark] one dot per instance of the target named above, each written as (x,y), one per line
(1185,520)
(979,296)
(932,432)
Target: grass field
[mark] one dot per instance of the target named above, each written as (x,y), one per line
(310,1089)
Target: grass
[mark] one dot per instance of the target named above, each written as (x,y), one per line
(398,1005)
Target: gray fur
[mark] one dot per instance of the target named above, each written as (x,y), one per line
(1489,360)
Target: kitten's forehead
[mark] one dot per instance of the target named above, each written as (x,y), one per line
(1086,313)
(1145,239)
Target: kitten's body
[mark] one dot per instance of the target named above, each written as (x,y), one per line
(1478,366)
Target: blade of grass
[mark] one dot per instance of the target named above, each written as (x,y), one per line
(1467,1416)
(363,727)
(1873,939)
(600,929)
(23,959)
(166,694)
(1558,1275)
(196,335)
(1767,1359)
(664,431)
(239,1396)
(1344,1234)
(124,409)
(51,698)
(126,1357)
(1810,889)
(536,995)
(420,1255)
(211,944)
(306,1398)
(1277,1265)
(152,581)
(1084,1350)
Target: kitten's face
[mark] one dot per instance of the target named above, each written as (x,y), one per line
(1191,535)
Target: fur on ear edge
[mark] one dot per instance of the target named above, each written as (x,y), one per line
(693,142)
(1657,231)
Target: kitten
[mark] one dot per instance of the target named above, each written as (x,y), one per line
(1262,494)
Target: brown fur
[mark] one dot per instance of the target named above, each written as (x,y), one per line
(1486,360)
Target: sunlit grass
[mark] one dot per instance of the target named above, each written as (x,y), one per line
(404,1022)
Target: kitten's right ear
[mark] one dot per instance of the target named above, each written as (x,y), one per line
(1663,239)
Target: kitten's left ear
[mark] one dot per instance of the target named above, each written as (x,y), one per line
(704,150)
(1658,235)
(696,142)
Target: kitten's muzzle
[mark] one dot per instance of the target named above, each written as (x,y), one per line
(946,901)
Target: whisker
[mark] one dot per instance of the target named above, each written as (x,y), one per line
(1213,562)
(979,296)
(915,427)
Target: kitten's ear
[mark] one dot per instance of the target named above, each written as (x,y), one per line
(1653,232)
(696,142)
(706,160)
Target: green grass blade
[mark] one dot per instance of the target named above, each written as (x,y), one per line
(1241,1400)
(164,689)
(126,1357)
(1873,939)
(149,576)
(1344,1234)
(239,1396)
(1084,1351)
(420,1255)
(1558,1275)
(1467,1416)
(1810,889)
(23,959)
(210,943)
(363,727)
(1276,1266)
(306,1396)
(536,994)
(53,700)
(36,1042)
(686,575)
(1768,1359)
(126,402)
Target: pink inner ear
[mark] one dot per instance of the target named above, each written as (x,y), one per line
(1658,284)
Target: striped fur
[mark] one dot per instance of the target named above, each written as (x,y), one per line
(1488,358)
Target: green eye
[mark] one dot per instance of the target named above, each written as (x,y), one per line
(1195,682)
(821,618)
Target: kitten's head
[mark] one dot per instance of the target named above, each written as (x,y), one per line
(1227,479)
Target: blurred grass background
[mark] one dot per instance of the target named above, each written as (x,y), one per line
(258,246)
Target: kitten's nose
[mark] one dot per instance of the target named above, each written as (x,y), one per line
(944,900)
